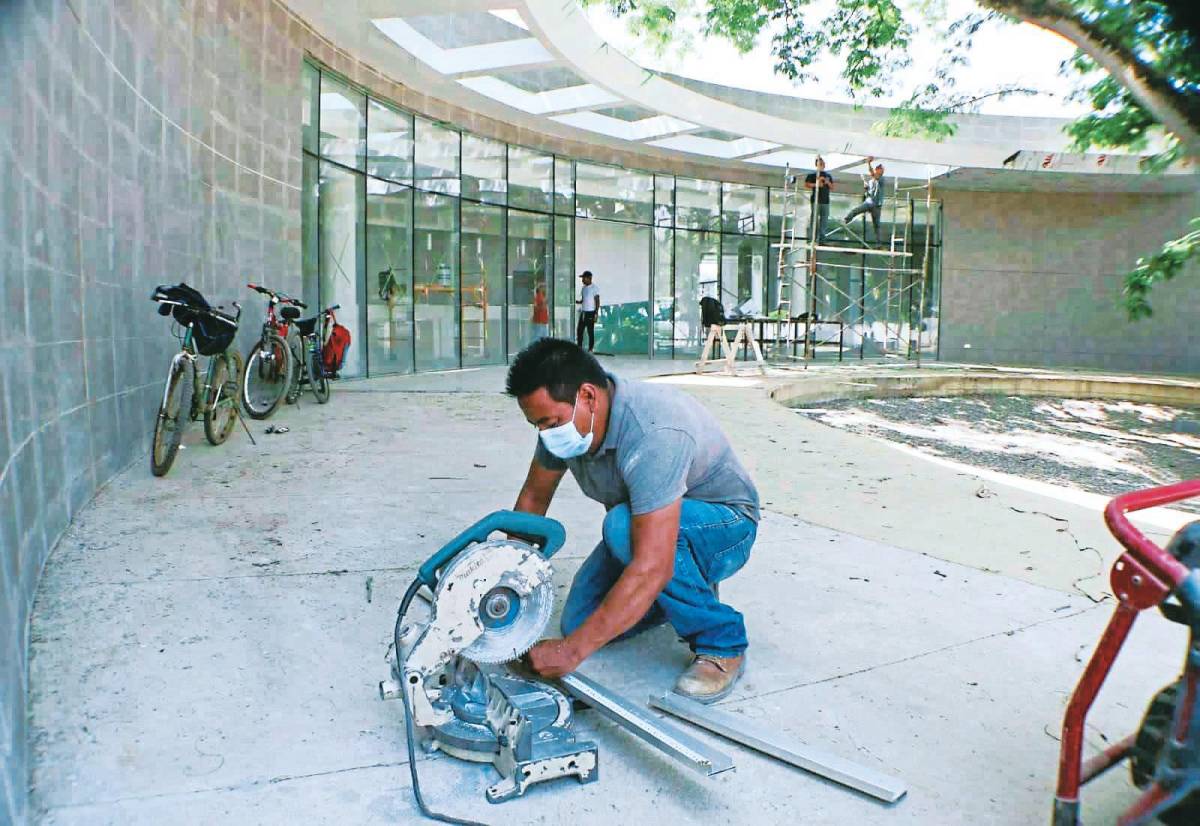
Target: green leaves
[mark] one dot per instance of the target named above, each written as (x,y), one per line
(738,21)
(1162,266)
(909,121)
(652,20)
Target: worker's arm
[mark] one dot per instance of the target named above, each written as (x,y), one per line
(653,536)
(538,490)
(597,303)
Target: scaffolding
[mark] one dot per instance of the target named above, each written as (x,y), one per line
(821,271)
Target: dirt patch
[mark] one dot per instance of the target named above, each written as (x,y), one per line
(1101,446)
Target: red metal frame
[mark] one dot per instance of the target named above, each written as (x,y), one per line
(273,321)
(1141,578)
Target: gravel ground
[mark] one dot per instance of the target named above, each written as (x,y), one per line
(1101,446)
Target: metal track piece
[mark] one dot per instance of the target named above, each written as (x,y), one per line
(742,730)
(661,734)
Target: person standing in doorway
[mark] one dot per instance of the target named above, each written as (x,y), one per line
(872,197)
(820,183)
(589,308)
(541,313)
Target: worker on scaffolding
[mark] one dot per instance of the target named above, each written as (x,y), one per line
(820,183)
(872,196)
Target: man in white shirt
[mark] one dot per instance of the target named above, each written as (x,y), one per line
(589,308)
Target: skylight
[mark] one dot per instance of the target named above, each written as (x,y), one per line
(725,149)
(651,127)
(468,59)
(540,103)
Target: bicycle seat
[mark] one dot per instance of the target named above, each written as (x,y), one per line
(307,326)
(289,313)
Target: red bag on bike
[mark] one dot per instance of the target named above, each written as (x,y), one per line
(333,353)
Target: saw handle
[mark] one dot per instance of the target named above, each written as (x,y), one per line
(548,535)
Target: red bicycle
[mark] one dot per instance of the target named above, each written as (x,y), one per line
(271,365)
(1165,752)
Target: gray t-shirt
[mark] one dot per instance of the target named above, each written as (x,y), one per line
(661,445)
(873,188)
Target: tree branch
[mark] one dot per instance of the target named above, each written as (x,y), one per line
(1167,105)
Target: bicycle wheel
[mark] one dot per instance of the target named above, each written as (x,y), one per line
(220,411)
(172,418)
(317,379)
(267,377)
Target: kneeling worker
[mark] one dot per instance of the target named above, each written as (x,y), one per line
(682,512)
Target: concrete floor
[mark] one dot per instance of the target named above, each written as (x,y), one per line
(206,647)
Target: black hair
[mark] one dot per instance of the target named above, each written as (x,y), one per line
(586,274)
(560,366)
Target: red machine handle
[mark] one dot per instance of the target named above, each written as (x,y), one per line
(1160,563)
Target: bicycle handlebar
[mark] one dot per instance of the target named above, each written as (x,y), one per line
(1161,563)
(214,312)
(278,296)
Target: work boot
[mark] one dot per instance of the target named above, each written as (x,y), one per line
(709,678)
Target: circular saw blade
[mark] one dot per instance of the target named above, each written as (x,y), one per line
(503,644)
(514,607)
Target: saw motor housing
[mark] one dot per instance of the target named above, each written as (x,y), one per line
(492,602)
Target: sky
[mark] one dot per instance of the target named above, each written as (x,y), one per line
(1003,54)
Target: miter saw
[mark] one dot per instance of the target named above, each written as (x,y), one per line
(492,599)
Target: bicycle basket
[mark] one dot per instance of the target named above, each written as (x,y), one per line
(182,293)
(211,334)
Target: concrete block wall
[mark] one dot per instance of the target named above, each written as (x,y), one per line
(1035,279)
(141,142)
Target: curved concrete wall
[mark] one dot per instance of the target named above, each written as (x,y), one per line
(1035,279)
(818,389)
(142,142)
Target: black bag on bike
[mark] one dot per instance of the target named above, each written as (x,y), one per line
(210,334)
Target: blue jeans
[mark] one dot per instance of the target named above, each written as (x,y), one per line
(714,543)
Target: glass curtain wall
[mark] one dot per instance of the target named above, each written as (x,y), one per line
(390,142)
(529,269)
(743,272)
(744,209)
(340,219)
(482,309)
(696,276)
(440,245)
(662,306)
(613,193)
(530,179)
(436,165)
(389,277)
(662,341)
(484,177)
(563,319)
(618,255)
(435,281)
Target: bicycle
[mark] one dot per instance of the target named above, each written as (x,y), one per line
(206,332)
(270,365)
(312,366)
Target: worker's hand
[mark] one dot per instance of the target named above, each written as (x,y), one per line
(870,159)
(554,658)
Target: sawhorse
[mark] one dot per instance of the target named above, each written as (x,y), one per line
(744,335)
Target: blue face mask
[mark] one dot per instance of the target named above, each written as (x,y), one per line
(565,441)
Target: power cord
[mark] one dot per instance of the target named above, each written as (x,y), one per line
(410,735)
